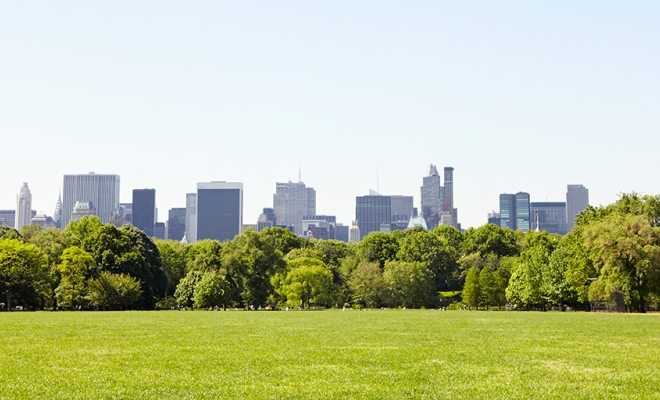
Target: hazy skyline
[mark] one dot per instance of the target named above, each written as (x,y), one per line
(516,96)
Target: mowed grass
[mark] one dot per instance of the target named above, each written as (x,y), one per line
(329,354)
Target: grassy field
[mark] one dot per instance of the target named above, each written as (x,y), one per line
(329,354)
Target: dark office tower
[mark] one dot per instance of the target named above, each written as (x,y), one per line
(523,212)
(577,200)
(144,210)
(341,233)
(371,212)
(176,223)
(494,218)
(549,217)
(508,211)
(159,231)
(449,214)
(431,192)
(219,210)
(269,214)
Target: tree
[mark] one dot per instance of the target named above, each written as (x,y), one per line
(76,268)
(379,247)
(308,282)
(366,284)
(113,291)
(435,253)
(173,255)
(491,238)
(525,285)
(212,290)
(24,277)
(471,294)
(628,247)
(9,233)
(408,284)
(185,290)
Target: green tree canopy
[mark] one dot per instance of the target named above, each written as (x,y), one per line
(24,277)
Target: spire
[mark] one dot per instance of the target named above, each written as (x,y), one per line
(432,170)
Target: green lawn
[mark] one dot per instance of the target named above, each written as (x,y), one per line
(329,354)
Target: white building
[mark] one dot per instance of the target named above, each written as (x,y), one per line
(191,218)
(354,232)
(100,190)
(291,202)
(23,207)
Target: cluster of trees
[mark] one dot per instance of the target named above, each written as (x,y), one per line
(613,251)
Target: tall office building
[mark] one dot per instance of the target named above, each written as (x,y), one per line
(100,190)
(8,218)
(191,217)
(354,232)
(402,209)
(57,215)
(523,212)
(291,202)
(219,210)
(508,211)
(549,217)
(326,222)
(144,210)
(371,212)
(577,200)
(341,233)
(449,213)
(176,224)
(431,197)
(23,207)
(160,231)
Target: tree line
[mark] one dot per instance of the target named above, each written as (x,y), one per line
(613,253)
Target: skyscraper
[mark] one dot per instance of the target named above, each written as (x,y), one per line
(577,200)
(371,212)
(431,197)
(354,232)
(549,216)
(508,211)
(291,202)
(57,215)
(523,212)
(449,213)
(144,210)
(219,210)
(176,224)
(23,207)
(191,217)
(101,190)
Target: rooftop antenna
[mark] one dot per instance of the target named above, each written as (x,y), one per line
(299,174)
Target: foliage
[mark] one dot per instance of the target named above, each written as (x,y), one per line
(24,277)
(308,282)
(408,284)
(471,293)
(113,291)
(185,290)
(212,290)
(366,284)
(76,268)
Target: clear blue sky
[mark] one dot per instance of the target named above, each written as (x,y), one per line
(516,96)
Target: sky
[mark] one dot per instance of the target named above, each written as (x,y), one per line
(516,96)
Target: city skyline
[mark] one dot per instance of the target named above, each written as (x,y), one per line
(513,95)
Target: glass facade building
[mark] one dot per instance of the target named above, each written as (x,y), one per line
(219,210)
(508,211)
(371,212)
(144,210)
(549,217)
(523,212)
(176,224)
(291,202)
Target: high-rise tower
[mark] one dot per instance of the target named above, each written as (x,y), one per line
(219,210)
(101,190)
(291,202)
(144,210)
(432,197)
(23,207)
(449,213)
(577,199)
